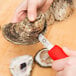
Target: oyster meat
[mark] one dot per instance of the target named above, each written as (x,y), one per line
(43,59)
(62,9)
(25,32)
(21,66)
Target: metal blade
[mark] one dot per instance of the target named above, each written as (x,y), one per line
(45,42)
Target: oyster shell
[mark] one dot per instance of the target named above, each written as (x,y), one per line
(21,66)
(25,32)
(49,16)
(43,59)
(62,9)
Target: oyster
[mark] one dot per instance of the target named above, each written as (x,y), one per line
(25,32)
(43,59)
(62,9)
(21,66)
(49,16)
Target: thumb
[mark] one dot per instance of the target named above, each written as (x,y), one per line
(59,65)
(32,10)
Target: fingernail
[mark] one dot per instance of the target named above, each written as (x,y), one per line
(31,17)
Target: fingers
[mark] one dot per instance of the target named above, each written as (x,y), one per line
(20,12)
(32,10)
(29,6)
(18,17)
(59,65)
(69,52)
(69,70)
(64,66)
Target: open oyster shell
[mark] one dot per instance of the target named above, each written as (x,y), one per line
(43,59)
(21,66)
(62,9)
(25,32)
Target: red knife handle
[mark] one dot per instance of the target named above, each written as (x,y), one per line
(57,53)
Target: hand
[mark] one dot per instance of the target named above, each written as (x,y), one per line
(30,7)
(66,66)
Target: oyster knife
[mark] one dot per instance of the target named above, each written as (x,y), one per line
(55,51)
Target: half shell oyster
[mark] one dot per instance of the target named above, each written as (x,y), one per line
(43,59)
(21,66)
(25,32)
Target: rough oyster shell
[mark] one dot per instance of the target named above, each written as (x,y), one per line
(25,32)
(62,9)
(21,66)
(43,59)
(49,16)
